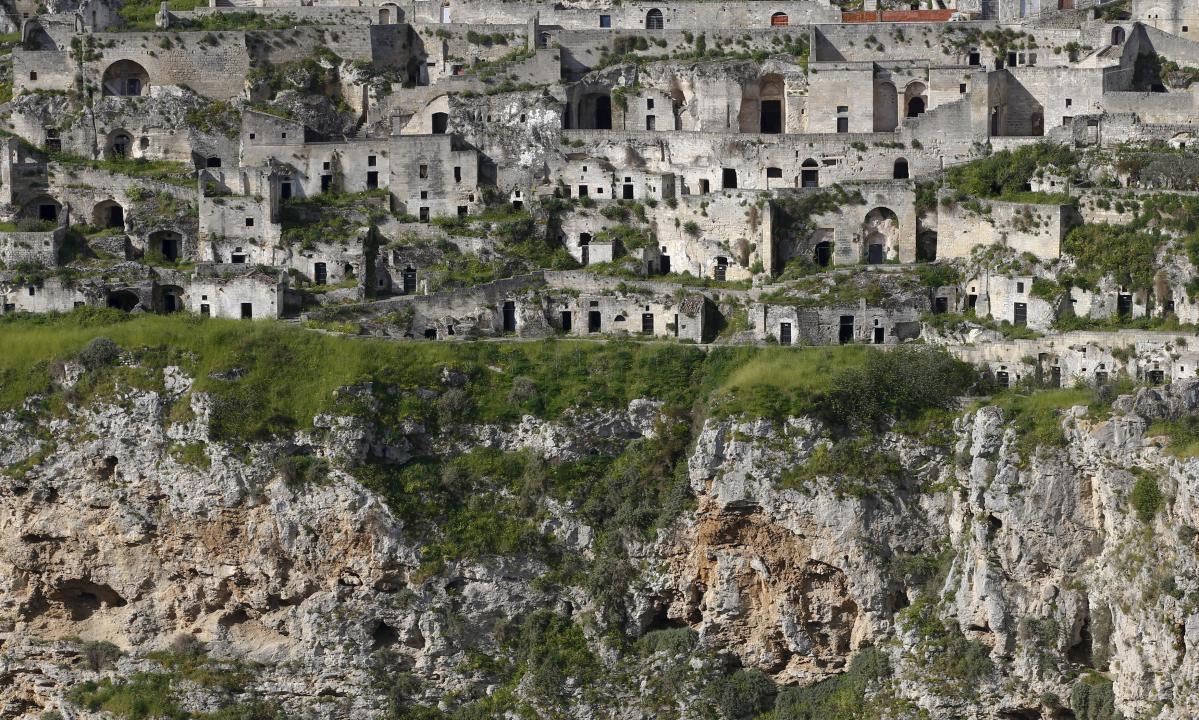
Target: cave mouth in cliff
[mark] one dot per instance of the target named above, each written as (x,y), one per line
(384,636)
(82,598)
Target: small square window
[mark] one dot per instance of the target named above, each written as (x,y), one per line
(1185,28)
(1069,102)
(249,222)
(605,21)
(370,160)
(251,136)
(649,104)
(324,165)
(962,88)
(284,135)
(1019,287)
(424,194)
(33,75)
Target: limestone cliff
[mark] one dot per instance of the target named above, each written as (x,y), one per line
(986,576)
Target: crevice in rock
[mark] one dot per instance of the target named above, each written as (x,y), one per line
(82,598)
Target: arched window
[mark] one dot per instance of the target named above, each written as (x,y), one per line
(779,19)
(653,19)
(1118,36)
(901,169)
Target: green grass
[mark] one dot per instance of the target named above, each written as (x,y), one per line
(1037,415)
(1182,435)
(775,381)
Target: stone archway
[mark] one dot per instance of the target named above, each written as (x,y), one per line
(125,78)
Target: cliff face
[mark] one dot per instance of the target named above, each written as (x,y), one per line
(988,580)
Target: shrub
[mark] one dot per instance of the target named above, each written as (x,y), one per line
(1092,698)
(745,693)
(896,385)
(843,695)
(98,353)
(1146,497)
(454,405)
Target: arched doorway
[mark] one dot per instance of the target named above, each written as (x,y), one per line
(915,99)
(119,145)
(125,78)
(809,174)
(771,108)
(168,243)
(653,20)
(779,19)
(900,171)
(1118,36)
(172,298)
(880,234)
(123,300)
(44,208)
(108,214)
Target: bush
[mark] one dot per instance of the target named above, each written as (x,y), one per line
(841,696)
(454,405)
(1092,698)
(745,693)
(98,353)
(1146,497)
(896,385)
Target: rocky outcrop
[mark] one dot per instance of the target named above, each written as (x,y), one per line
(123,521)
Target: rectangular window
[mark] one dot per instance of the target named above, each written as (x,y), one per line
(649,104)
(370,160)
(424,171)
(33,76)
(325,165)
(1069,102)
(842,125)
(457,174)
(424,194)
(249,222)
(962,88)
(461,211)
(650,122)
(605,21)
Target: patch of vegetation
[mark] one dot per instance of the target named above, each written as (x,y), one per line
(862,691)
(945,659)
(1005,175)
(167,171)
(855,467)
(1182,435)
(1092,698)
(894,385)
(1146,496)
(1036,415)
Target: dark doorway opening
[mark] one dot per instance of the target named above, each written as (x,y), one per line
(593,321)
(845,334)
(509,316)
(1020,314)
(784,333)
(409,280)
(564,316)
(772,117)
(647,323)
(874,254)
(603,113)
(824,253)
(320,273)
